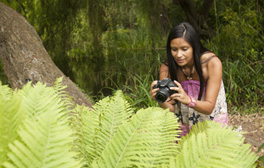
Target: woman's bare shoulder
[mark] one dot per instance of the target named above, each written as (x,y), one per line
(209,57)
(164,71)
(164,67)
(211,65)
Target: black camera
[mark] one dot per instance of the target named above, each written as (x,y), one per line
(164,89)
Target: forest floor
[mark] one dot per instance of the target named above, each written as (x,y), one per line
(253,127)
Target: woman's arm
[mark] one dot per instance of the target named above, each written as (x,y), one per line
(164,72)
(214,69)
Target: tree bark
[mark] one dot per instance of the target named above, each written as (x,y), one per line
(25,58)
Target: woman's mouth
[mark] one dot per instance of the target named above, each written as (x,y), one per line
(180,60)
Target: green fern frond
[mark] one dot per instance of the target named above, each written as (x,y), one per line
(101,123)
(39,108)
(196,129)
(59,87)
(5,91)
(170,132)
(74,116)
(139,142)
(45,142)
(125,105)
(214,147)
(40,98)
(84,124)
(12,114)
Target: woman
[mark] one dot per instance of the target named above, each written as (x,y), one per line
(198,74)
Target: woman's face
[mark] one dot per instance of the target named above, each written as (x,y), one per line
(182,52)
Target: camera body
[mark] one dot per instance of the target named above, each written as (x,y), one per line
(164,89)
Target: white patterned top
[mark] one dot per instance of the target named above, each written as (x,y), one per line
(188,116)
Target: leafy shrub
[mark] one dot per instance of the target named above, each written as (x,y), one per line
(41,127)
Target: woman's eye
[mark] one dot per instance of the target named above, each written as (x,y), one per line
(185,49)
(174,49)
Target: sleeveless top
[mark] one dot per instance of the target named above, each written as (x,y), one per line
(188,116)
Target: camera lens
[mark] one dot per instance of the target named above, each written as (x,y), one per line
(161,98)
(162,95)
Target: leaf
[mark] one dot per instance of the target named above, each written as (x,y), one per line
(139,142)
(100,123)
(214,146)
(261,147)
(12,113)
(45,142)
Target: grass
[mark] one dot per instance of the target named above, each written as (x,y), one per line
(244,86)
(137,92)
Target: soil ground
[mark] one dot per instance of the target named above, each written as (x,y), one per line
(253,126)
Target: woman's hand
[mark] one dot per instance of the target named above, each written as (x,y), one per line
(153,92)
(181,96)
(167,104)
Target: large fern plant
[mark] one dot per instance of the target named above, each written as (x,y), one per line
(40,127)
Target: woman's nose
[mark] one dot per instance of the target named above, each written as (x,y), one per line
(179,54)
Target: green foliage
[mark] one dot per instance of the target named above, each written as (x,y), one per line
(35,128)
(146,140)
(247,87)
(42,128)
(261,159)
(209,145)
(12,113)
(137,91)
(106,120)
(238,43)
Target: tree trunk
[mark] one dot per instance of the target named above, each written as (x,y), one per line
(196,17)
(25,58)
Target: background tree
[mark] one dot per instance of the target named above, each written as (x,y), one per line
(25,58)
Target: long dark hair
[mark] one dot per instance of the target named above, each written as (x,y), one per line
(186,31)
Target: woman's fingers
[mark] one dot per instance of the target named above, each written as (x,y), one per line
(153,92)
(180,95)
(176,95)
(175,89)
(153,83)
(178,84)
